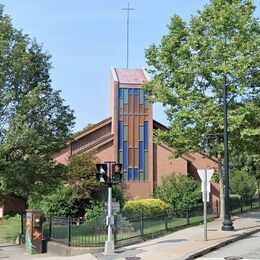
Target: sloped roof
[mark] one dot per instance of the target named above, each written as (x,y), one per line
(131,76)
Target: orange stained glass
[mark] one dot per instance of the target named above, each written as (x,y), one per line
(141,107)
(130,131)
(130,157)
(136,158)
(130,104)
(136,130)
(125,108)
(136,98)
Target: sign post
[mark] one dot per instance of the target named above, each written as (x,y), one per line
(205,176)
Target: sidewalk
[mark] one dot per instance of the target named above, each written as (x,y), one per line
(183,244)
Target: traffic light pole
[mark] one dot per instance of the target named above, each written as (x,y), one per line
(109,243)
(110,173)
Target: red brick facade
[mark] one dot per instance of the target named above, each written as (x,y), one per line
(103,137)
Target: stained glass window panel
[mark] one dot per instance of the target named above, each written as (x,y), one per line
(145,135)
(130,174)
(136,177)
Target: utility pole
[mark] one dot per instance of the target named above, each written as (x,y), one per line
(127,35)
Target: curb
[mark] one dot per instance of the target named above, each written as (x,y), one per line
(221,244)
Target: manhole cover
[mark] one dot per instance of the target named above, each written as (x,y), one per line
(133,258)
(233,257)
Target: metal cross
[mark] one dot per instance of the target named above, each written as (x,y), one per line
(127,37)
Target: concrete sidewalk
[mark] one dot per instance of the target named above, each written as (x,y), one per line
(183,244)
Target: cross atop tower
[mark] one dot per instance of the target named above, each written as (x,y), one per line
(127,36)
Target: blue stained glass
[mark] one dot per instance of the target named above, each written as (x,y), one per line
(136,91)
(130,174)
(130,91)
(136,174)
(125,155)
(145,135)
(120,135)
(125,93)
(141,97)
(120,93)
(141,155)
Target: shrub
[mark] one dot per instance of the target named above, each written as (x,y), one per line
(146,206)
(234,201)
(243,184)
(179,191)
(95,212)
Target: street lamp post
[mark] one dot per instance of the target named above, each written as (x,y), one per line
(227,224)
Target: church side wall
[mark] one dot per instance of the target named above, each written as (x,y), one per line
(164,165)
(62,156)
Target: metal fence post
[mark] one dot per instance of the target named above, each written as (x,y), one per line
(166,220)
(142,225)
(50,227)
(69,231)
(115,228)
(22,223)
(187,216)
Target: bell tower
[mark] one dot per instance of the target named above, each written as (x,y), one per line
(132,126)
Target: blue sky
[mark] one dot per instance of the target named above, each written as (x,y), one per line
(86,38)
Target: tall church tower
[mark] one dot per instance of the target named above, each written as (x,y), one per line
(132,126)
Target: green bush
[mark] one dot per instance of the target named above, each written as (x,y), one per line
(146,206)
(61,203)
(243,184)
(95,212)
(235,201)
(179,191)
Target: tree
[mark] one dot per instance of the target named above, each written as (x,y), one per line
(34,122)
(243,184)
(190,66)
(179,190)
(81,176)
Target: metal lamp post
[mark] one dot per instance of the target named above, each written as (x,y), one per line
(227,224)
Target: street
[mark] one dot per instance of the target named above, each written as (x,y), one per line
(248,248)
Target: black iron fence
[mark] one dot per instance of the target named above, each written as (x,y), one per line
(127,230)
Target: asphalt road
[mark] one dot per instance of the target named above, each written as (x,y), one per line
(247,248)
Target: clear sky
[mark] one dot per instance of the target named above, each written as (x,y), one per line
(87,37)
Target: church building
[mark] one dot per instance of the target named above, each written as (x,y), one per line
(127,137)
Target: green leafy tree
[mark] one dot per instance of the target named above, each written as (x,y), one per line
(81,176)
(189,67)
(219,45)
(180,191)
(34,122)
(243,184)
(61,203)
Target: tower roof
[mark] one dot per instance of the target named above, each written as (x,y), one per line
(131,76)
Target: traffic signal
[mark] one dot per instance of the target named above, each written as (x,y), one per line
(116,172)
(102,172)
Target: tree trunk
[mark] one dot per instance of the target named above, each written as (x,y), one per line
(221,188)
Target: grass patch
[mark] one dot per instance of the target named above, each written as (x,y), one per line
(10,229)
